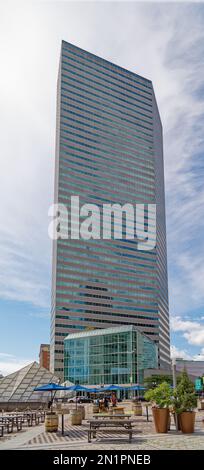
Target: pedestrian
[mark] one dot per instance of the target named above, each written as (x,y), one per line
(106,403)
(114,399)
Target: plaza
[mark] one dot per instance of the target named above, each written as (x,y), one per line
(75,437)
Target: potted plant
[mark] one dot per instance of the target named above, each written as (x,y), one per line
(184,403)
(160,397)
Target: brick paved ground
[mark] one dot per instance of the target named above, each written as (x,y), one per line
(144,437)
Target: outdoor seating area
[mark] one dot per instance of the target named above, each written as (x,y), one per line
(106,415)
(14,422)
(109,426)
(29,428)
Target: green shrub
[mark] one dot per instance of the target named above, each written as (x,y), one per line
(156,379)
(184,395)
(160,396)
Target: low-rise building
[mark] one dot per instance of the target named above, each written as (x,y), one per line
(44,356)
(194,368)
(116,355)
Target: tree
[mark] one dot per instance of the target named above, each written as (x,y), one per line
(184,394)
(156,379)
(160,396)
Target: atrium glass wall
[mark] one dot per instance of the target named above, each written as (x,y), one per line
(110,356)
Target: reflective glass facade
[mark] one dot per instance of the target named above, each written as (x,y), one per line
(109,356)
(108,150)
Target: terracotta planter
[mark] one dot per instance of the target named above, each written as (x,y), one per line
(187,421)
(161,419)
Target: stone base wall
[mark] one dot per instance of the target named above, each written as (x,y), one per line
(22,406)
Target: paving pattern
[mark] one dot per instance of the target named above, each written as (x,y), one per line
(144,437)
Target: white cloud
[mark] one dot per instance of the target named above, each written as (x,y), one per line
(179,324)
(10,363)
(179,353)
(148,39)
(192,331)
(200,356)
(196,338)
(5,355)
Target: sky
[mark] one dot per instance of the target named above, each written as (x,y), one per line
(164,43)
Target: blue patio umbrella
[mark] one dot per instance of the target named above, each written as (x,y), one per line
(51,387)
(93,390)
(135,387)
(77,388)
(111,388)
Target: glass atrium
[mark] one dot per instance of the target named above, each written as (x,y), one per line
(116,355)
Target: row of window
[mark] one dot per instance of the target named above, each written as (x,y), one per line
(103,257)
(103,320)
(125,135)
(105,97)
(97,172)
(105,247)
(77,187)
(103,271)
(104,105)
(105,146)
(85,112)
(149,297)
(102,65)
(114,281)
(136,316)
(104,156)
(71,62)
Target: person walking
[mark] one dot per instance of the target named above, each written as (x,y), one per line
(114,399)
(106,403)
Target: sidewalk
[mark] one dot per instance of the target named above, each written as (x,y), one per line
(76,438)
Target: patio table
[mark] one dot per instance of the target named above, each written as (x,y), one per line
(114,425)
(111,416)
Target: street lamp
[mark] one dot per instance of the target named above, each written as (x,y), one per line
(174,386)
(135,350)
(131,376)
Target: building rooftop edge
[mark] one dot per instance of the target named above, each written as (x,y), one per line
(102,331)
(107,61)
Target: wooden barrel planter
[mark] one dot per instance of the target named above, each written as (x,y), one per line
(95,409)
(51,422)
(137,409)
(82,409)
(76,417)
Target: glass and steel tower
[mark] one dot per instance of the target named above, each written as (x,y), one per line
(108,150)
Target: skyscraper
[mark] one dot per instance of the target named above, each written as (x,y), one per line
(108,150)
